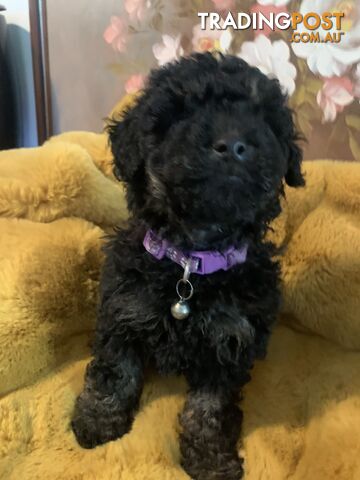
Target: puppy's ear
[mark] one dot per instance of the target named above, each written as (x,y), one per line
(267,94)
(294,176)
(124,135)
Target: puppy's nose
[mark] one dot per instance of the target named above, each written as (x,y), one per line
(233,146)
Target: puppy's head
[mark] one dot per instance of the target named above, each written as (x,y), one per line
(208,144)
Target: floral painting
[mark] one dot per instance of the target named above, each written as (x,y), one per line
(322,80)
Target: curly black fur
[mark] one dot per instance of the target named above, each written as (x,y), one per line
(199,198)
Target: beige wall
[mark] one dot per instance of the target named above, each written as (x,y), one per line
(83,88)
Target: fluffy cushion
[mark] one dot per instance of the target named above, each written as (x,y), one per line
(302,408)
(321,267)
(48,290)
(58,180)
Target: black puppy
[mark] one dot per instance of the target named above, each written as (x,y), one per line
(204,154)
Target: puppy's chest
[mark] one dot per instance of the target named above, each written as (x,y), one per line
(218,316)
(227,309)
(166,281)
(217,299)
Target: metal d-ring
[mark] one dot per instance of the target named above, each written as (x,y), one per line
(185,282)
(180,309)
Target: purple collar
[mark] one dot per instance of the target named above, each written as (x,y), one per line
(202,263)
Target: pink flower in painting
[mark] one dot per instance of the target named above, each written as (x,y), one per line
(335,95)
(168,50)
(223,5)
(134,83)
(116,34)
(266,10)
(210,40)
(136,9)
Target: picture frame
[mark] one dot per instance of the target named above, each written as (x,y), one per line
(41,70)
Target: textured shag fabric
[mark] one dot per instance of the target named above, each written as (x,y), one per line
(302,407)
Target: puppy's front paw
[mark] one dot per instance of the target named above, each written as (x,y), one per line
(95,422)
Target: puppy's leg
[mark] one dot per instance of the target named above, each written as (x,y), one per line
(211,423)
(105,409)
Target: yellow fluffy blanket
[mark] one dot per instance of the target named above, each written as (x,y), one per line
(302,407)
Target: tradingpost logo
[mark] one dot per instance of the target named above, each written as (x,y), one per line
(307,28)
